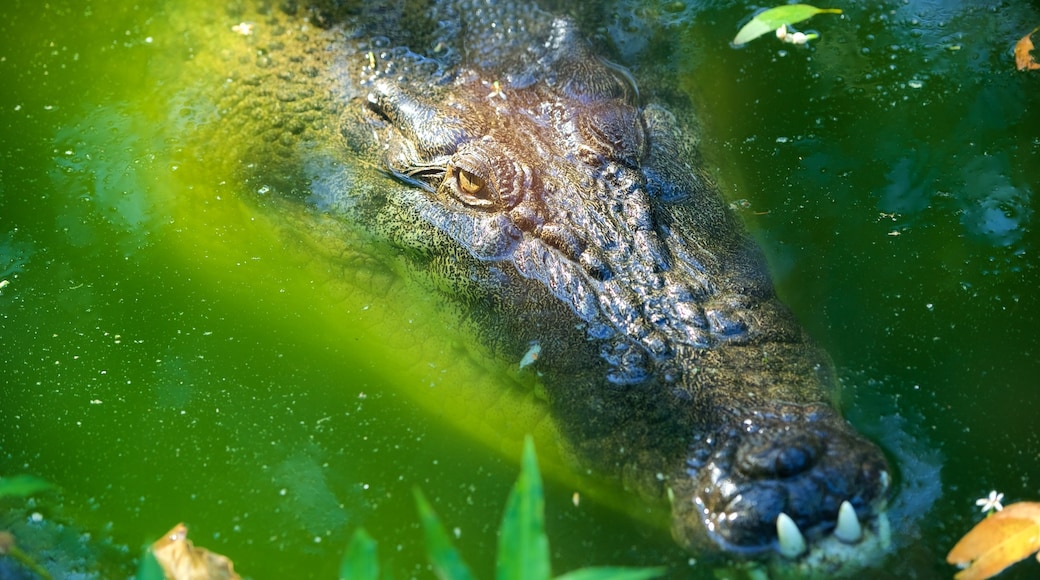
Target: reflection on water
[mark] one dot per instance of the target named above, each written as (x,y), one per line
(308,497)
(908,190)
(994,208)
(174,350)
(991,208)
(106,162)
(14,255)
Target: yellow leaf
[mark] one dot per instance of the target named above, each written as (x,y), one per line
(1000,540)
(181,560)
(1023,59)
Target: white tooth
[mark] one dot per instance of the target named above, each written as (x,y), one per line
(792,543)
(848,530)
(884,531)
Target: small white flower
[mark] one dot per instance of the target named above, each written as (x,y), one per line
(991,503)
(792,36)
(243,28)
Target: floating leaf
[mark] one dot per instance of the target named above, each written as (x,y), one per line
(360,562)
(447,564)
(22,485)
(770,20)
(523,548)
(1023,59)
(1000,540)
(181,560)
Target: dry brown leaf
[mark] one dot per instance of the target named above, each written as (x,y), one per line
(1023,59)
(181,560)
(1000,540)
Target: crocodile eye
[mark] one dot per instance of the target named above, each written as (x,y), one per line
(470,183)
(484,177)
(470,188)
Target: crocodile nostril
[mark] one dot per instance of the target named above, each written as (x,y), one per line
(777,456)
(794,460)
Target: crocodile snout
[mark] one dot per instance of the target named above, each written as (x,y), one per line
(778,481)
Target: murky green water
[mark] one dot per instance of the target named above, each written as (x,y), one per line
(172,350)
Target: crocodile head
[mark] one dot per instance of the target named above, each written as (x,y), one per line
(547,159)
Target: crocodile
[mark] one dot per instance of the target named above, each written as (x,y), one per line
(568,213)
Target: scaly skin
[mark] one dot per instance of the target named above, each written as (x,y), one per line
(559,205)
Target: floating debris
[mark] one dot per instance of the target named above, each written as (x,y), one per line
(181,560)
(531,356)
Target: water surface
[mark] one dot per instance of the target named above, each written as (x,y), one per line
(173,350)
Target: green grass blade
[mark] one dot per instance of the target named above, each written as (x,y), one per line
(523,548)
(446,561)
(22,486)
(773,18)
(613,573)
(149,568)
(360,562)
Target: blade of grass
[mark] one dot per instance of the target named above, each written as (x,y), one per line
(22,485)
(360,562)
(613,573)
(446,561)
(523,548)
(149,568)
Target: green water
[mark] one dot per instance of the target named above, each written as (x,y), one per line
(172,351)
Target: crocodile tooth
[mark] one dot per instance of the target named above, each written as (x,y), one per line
(848,529)
(792,542)
(884,531)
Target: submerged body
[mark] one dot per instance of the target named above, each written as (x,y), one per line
(563,209)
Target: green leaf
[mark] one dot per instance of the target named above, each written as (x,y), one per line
(360,561)
(613,573)
(446,561)
(148,568)
(774,18)
(22,485)
(523,548)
